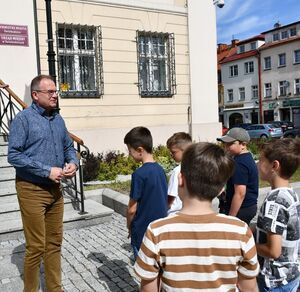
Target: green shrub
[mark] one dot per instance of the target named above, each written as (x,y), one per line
(106,166)
(91,167)
(162,156)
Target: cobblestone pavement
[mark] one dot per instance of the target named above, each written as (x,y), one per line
(95,258)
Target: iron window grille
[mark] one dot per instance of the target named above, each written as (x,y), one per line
(156,64)
(80,64)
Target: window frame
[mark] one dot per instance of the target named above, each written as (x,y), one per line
(297,86)
(233,70)
(75,57)
(297,53)
(242,49)
(294,30)
(242,94)
(275,37)
(284,34)
(265,63)
(253,45)
(230,95)
(146,52)
(279,60)
(254,89)
(269,89)
(282,88)
(249,67)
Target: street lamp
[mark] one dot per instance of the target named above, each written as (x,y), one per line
(50,53)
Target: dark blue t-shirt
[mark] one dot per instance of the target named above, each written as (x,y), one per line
(245,173)
(149,189)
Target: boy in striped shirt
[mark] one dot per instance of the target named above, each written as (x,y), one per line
(197,249)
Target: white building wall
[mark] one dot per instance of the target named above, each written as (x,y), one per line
(289,73)
(242,80)
(19,63)
(203,70)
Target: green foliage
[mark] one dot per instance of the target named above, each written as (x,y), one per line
(162,155)
(106,166)
(91,168)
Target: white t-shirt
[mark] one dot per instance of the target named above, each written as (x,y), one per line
(173,190)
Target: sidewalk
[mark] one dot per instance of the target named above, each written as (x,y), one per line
(95,258)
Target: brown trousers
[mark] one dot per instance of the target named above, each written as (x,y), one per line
(42,209)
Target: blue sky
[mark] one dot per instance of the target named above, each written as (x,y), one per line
(246,18)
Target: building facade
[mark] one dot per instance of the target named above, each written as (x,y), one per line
(124,63)
(240,77)
(280,59)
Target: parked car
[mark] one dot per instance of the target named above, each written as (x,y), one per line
(285,125)
(264,131)
(242,125)
(292,133)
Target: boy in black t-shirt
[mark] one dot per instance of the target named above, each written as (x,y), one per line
(242,187)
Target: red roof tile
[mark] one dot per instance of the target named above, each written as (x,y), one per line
(239,56)
(279,43)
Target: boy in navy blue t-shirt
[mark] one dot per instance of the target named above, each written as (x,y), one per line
(148,195)
(242,187)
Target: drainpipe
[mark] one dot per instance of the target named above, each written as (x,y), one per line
(261,120)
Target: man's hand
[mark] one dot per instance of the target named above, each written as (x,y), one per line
(69,170)
(56,174)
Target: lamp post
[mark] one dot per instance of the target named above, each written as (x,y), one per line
(50,53)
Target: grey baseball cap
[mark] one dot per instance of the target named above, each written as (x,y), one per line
(235,134)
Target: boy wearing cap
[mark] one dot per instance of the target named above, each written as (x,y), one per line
(242,187)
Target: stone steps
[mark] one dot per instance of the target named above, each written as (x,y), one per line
(10,217)
(11,223)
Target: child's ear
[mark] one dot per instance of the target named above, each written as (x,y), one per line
(276,165)
(180,180)
(139,150)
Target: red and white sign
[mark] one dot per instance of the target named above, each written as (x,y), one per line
(14,35)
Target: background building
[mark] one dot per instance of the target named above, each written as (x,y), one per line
(240,77)
(280,59)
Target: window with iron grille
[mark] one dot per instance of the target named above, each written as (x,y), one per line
(79,53)
(156,64)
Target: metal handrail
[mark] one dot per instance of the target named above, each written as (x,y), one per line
(10,105)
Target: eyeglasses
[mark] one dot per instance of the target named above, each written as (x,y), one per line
(49,92)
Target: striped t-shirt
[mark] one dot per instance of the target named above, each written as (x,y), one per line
(192,253)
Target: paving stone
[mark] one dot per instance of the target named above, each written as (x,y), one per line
(95,258)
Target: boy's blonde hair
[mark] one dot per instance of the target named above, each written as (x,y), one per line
(179,140)
(286,151)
